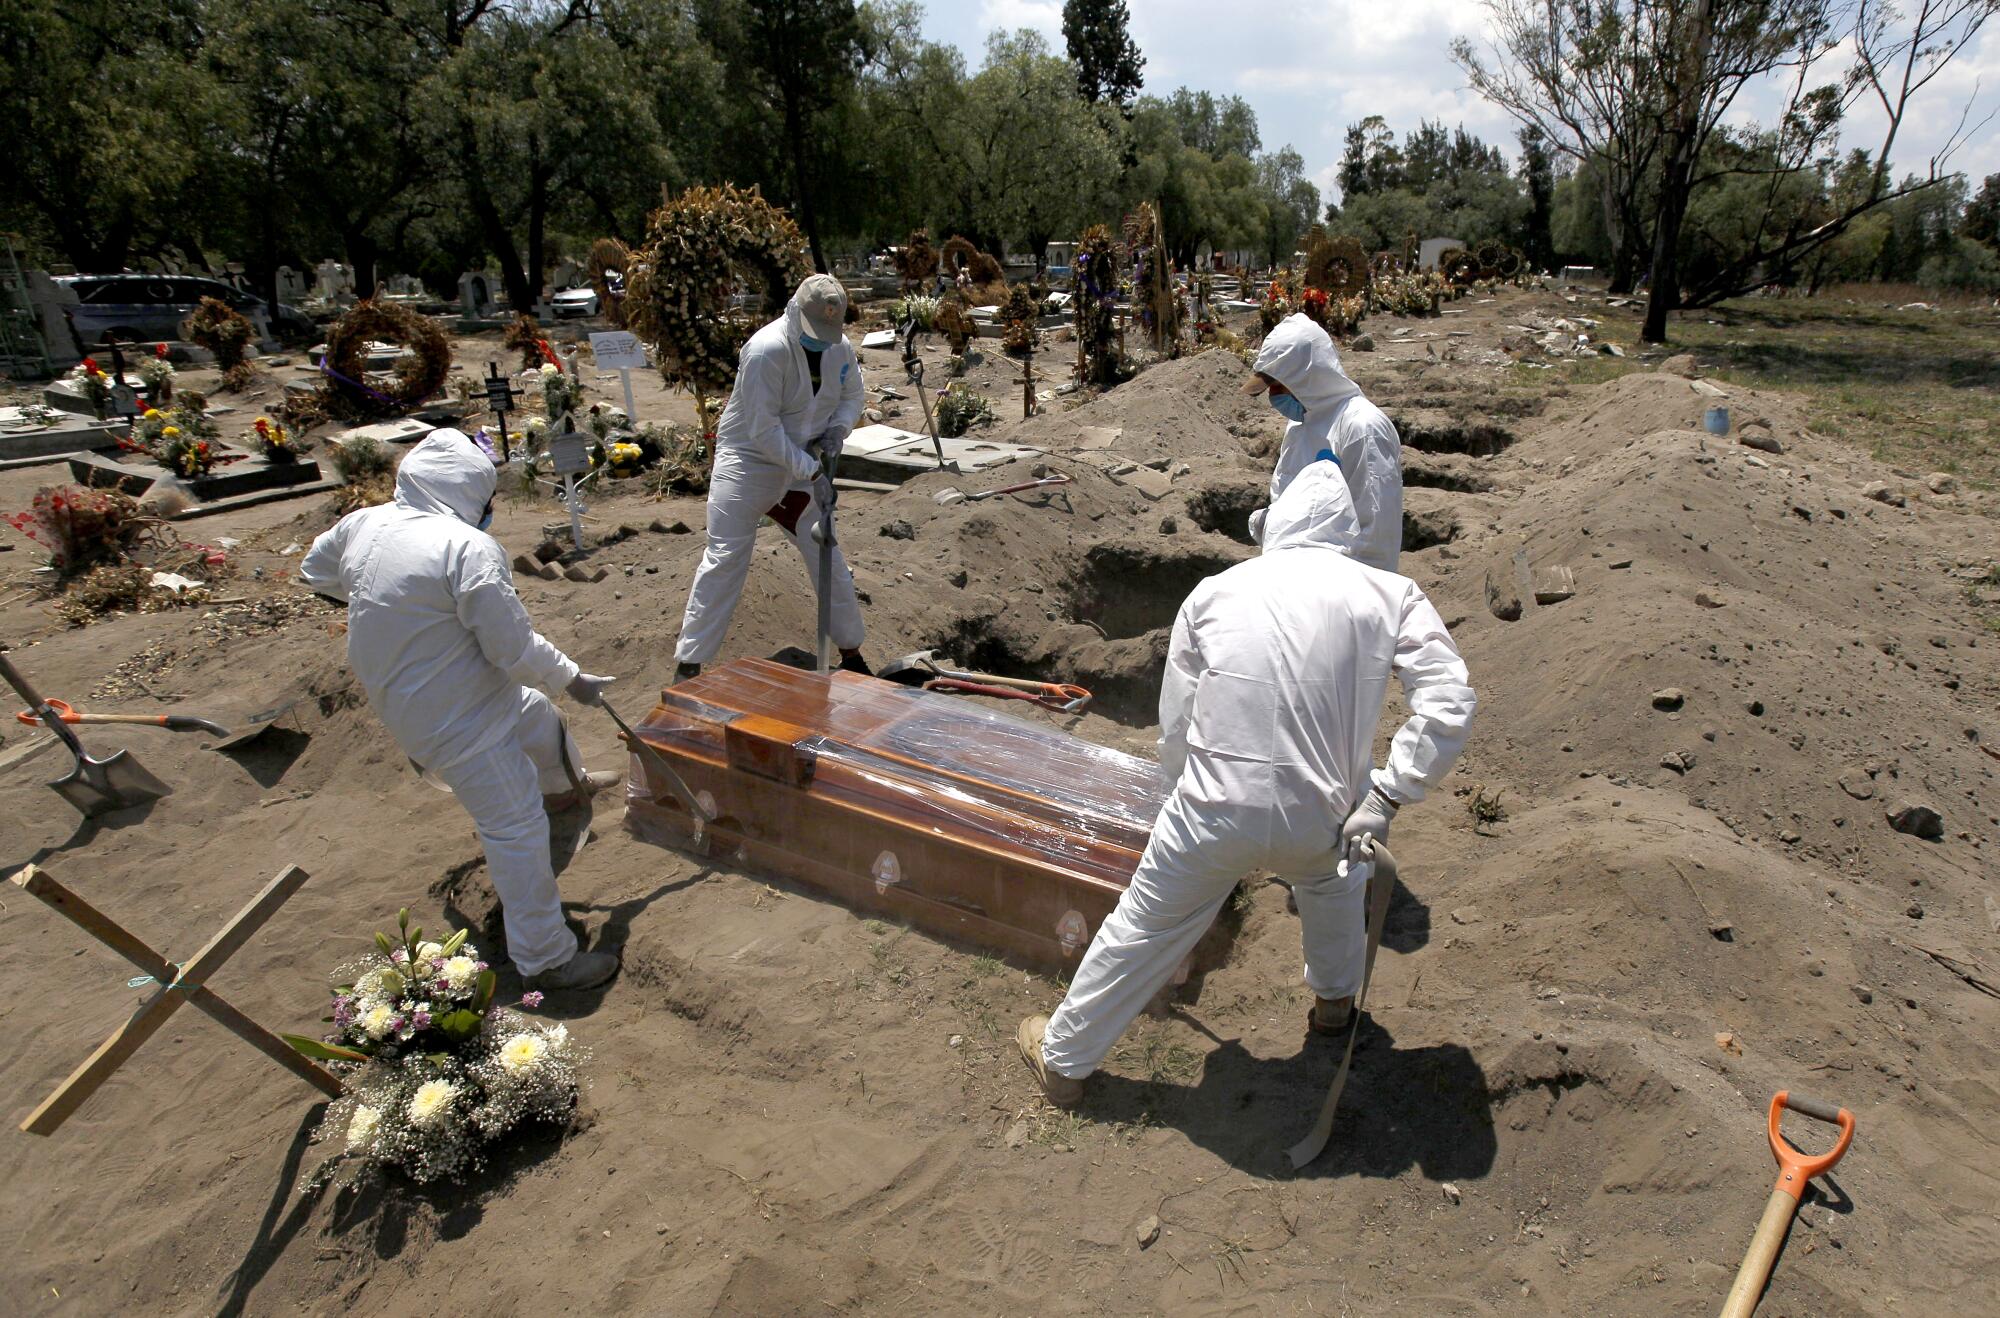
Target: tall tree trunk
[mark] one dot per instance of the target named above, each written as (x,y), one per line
(538,217)
(361,255)
(795,133)
(499,239)
(1677,175)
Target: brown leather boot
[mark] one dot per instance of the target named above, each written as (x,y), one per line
(1060,1090)
(1331,1015)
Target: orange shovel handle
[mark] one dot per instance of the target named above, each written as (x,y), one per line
(63,712)
(1796,1168)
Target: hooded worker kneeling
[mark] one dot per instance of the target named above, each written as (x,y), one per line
(1274,684)
(448,656)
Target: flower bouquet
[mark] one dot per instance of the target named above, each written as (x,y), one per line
(157,373)
(184,453)
(96,385)
(625,458)
(433,1072)
(275,442)
(560,394)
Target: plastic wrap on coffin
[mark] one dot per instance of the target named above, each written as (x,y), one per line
(965,821)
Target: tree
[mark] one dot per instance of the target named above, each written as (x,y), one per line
(798,56)
(1291,202)
(1538,176)
(1108,63)
(1982,214)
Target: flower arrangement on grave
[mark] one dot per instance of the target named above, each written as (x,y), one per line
(960,408)
(1278,302)
(704,248)
(184,453)
(560,394)
(346,391)
(83,528)
(625,458)
(95,383)
(1158,298)
(223,330)
(1019,316)
(433,1072)
(917,307)
(916,260)
(276,443)
(157,374)
(1097,355)
(524,336)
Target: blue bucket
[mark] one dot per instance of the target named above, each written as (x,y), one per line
(1716,421)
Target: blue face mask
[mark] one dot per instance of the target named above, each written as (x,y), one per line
(486,518)
(1289,407)
(811,344)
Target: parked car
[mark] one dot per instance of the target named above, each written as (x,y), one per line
(152,307)
(575,302)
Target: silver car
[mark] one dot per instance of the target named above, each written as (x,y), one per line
(148,308)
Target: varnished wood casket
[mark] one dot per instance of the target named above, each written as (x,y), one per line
(959,818)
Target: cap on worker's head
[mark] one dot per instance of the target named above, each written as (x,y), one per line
(823,303)
(1256,384)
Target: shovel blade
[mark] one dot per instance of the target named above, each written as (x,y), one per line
(118,782)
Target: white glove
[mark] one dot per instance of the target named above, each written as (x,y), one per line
(804,464)
(1369,822)
(834,440)
(1257,525)
(823,492)
(587,688)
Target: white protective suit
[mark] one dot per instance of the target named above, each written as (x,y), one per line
(1273,687)
(447,653)
(760,458)
(1301,356)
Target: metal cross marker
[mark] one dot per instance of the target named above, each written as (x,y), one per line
(569,456)
(500,398)
(186,984)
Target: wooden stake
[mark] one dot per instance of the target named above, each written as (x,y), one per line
(187,985)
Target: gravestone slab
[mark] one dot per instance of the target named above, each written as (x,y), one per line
(250,473)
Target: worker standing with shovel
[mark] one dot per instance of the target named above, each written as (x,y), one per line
(798,395)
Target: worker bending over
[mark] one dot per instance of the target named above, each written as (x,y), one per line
(1329,418)
(1274,683)
(797,396)
(448,656)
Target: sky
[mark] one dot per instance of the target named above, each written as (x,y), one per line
(1309,68)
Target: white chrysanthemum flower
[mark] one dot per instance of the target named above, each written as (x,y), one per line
(460,971)
(376,1019)
(431,1100)
(429,951)
(523,1053)
(422,968)
(362,1126)
(558,1036)
(549,368)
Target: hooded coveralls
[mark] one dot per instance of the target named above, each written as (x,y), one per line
(1274,683)
(760,457)
(1299,355)
(447,654)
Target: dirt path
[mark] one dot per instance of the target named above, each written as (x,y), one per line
(793,1110)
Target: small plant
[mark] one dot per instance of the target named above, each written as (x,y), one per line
(917,307)
(369,470)
(960,408)
(602,420)
(525,337)
(560,394)
(955,366)
(220,328)
(1485,810)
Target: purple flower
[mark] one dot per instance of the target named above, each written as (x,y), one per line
(482,966)
(531,999)
(422,1021)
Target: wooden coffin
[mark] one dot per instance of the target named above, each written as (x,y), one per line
(952,815)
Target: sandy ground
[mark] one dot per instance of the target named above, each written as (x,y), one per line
(793,1110)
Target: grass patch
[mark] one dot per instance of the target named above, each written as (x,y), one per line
(1917,389)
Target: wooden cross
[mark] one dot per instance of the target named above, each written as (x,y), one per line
(186,984)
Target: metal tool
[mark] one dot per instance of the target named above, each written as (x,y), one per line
(951,494)
(925,669)
(1381,883)
(172,722)
(258,724)
(827,464)
(657,768)
(1795,1169)
(95,787)
(913,367)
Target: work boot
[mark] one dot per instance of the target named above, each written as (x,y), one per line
(602,780)
(582,971)
(852,662)
(1061,1090)
(682,672)
(1331,1015)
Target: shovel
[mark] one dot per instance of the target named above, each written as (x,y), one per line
(913,367)
(95,787)
(1795,1169)
(1381,884)
(171,722)
(258,724)
(657,768)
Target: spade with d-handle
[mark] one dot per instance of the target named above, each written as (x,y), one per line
(913,367)
(95,787)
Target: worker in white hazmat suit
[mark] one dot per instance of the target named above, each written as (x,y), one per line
(1274,682)
(448,656)
(798,395)
(1299,368)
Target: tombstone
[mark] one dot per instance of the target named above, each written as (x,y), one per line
(333,279)
(406,286)
(48,298)
(291,285)
(1430,249)
(569,274)
(475,295)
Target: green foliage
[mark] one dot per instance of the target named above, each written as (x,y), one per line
(959,409)
(1109,66)
(1436,184)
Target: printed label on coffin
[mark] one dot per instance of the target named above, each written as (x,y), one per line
(965,821)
